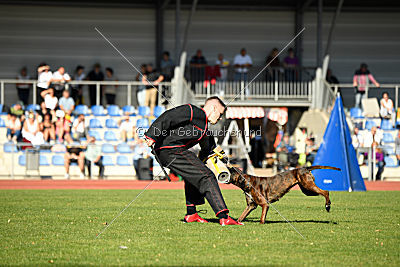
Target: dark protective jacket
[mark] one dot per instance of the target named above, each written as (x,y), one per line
(182,127)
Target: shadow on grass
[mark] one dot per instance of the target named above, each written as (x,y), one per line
(251,220)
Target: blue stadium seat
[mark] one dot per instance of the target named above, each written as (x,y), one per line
(82,109)
(2,112)
(388,138)
(158,110)
(107,161)
(369,124)
(113,110)
(107,148)
(57,160)
(111,124)
(10,147)
(356,113)
(386,125)
(33,107)
(144,111)
(2,123)
(124,148)
(389,150)
(129,109)
(123,161)
(22,160)
(390,162)
(110,136)
(95,134)
(97,110)
(43,161)
(95,123)
(142,123)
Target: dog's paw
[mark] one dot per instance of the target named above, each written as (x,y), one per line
(328,208)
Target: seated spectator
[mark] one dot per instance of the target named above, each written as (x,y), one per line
(242,63)
(397,143)
(110,91)
(290,63)
(126,128)
(93,155)
(48,129)
(17,110)
(50,100)
(23,88)
(151,79)
(31,131)
(13,128)
(140,150)
(286,155)
(59,78)
(373,136)
(74,154)
(77,93)
(167,66)
(357,139)
(63,127)
(387,108)
(43,111)
(66,103)
(79,128)
(311,150)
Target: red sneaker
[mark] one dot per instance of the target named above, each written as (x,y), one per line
(229,221)
(194,218)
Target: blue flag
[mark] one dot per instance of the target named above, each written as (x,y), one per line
(336,150)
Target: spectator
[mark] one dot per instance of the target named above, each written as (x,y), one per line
(74,154)
(300,137)
(78,128)
(31,131)
(93,155)
(242,63)
(167,66)
(17,110)
(77,93)
(141,150)
(311,150)
(372,137)
(63,127)
(23,88)
(274,68)
(59,78)
(95,75)
(197,68)
(141,89)
(48,129)
(126,128)
(50,100)
(286,155)
(43,111)
(379,156)
(223,65)
(357,139)
(13,128)
(397,143)
(361,80)
(44,77)
(66,103)
(110,90)
(387,108)
(291,64)
(330,78)
(151,79)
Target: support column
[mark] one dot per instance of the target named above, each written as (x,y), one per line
(319,33)
(333,24)
(177,30)
(185,37)
(159,31)
(299,24)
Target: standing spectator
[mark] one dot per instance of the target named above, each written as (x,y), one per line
(361,80)
(13,128)
(66,103)
(23,88)
(78,128)
(198,64)
(74,154)
(44,77)
(330,78)
(93,155)
(397,142)
(242,63)
(167,66)
(48,129)
(50,100)
(223,65)
(77,93)
(95,75)
(154,78)
(274,67)
(291,64)
(387,108)
(60,77)
(126,128)
(110,90)
(31,131)
(141,89)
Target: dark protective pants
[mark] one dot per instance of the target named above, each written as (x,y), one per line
(199,180)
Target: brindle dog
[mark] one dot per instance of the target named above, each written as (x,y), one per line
(261,191)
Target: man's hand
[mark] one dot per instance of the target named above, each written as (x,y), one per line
(149,142)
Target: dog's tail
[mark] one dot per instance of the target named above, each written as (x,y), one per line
(322,167)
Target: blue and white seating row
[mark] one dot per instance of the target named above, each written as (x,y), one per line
(115,111)
(108,135)
(120,148)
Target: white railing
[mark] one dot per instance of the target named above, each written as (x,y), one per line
(130,86)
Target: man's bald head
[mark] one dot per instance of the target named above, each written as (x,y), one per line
(215,100)
(214,108)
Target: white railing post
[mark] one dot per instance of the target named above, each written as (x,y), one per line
(242,91)
(160,95)
(34,93)
(129,94)
(98,93)
(2,93)
(208,90)
(397,97)
(276,89)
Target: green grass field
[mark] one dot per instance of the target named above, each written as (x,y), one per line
(40,227)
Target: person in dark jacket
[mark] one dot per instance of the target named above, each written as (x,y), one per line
(172,134)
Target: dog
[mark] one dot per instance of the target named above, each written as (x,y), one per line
(262,191)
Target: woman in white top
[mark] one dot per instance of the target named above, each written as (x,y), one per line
(31,131)
(387,108)
(44,77)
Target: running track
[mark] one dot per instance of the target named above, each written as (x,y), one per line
(123,184)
